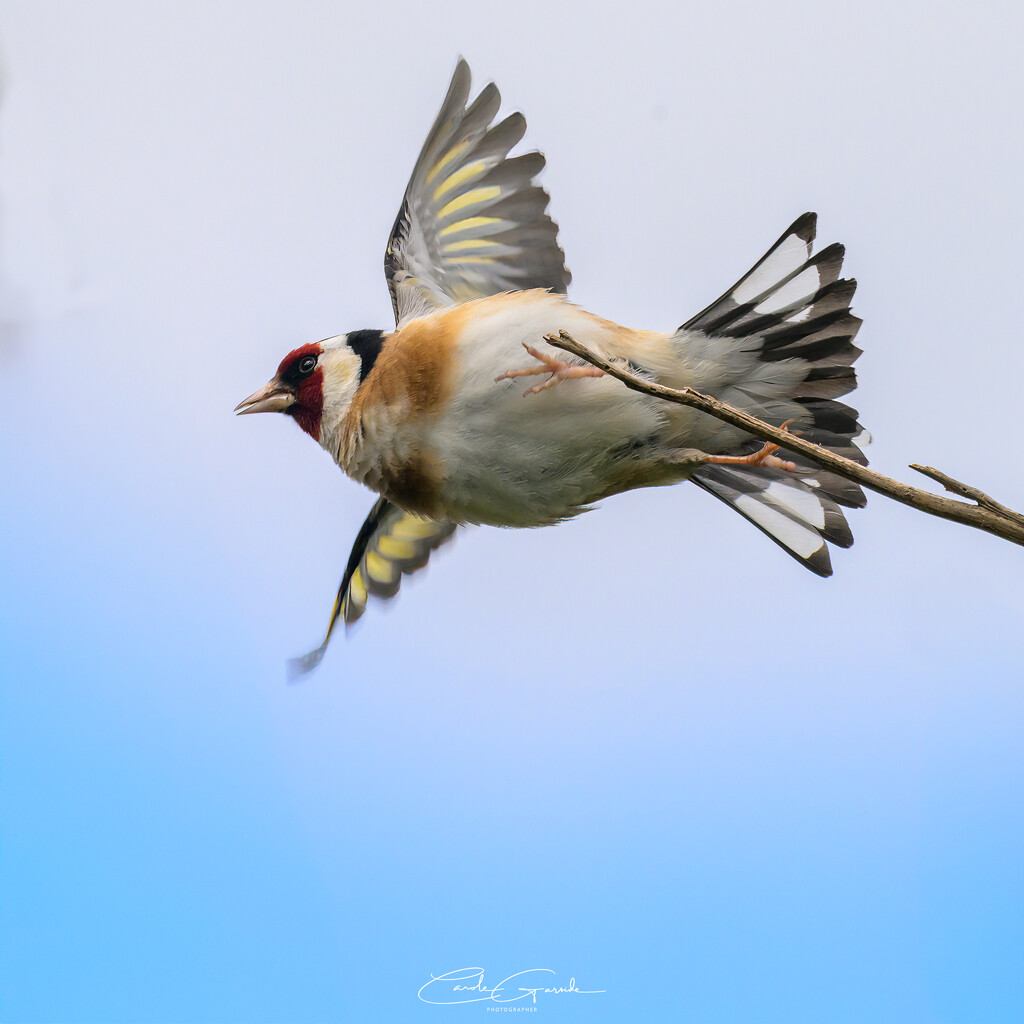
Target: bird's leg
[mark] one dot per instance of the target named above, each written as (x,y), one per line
(765,456)
(558,369)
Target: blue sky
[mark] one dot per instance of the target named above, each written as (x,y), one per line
(644,750)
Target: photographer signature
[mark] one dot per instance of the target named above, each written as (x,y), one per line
(456,986)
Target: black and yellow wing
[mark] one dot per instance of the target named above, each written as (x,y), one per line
(472,222)
(390,543)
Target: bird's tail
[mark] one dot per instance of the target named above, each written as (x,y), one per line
(779,345)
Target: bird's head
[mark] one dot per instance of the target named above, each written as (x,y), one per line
(315,384)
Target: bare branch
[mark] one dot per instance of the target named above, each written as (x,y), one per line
(985,514)
(966,491)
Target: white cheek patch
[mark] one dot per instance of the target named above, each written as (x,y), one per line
(340,367)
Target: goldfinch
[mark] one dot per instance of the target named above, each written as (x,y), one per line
(432,415)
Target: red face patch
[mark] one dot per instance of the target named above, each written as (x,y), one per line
(300,371)
(290,364)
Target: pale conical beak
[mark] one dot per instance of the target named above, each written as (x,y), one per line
(272,397)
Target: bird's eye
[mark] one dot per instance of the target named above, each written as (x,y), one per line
(307,364)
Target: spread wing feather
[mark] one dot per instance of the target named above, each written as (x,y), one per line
(390,543)
(472,222)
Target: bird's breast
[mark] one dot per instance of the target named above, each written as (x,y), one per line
(387,442)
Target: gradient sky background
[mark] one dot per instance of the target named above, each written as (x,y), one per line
(646,749)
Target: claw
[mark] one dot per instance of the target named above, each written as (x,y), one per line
(765,456)
(557,369)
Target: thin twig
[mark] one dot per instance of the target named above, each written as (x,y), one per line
(986,514)
(965,491)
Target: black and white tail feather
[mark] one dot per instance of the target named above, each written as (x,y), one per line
(792,312)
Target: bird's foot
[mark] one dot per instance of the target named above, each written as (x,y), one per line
(558,369)
(764,457)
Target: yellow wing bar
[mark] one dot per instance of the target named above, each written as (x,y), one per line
(473,221)
(390,543)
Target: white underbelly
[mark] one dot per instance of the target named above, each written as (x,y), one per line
(527,461)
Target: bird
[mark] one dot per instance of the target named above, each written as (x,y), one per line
(432,416)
